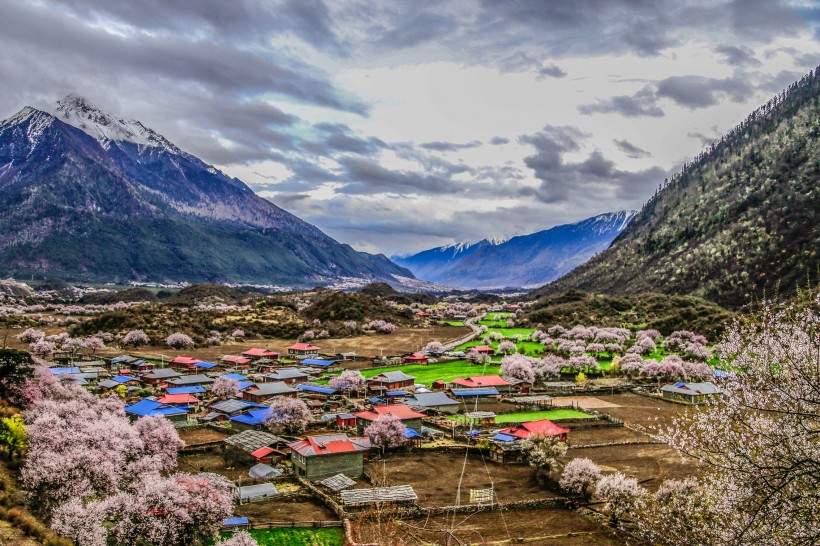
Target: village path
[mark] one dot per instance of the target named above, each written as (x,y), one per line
(476,331)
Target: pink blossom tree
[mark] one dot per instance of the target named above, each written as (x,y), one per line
(348,380)
(387,431)
(238,334)
(758,445)
(622,495)
(93,344)
(135,338)
(434,347)
(579,476)
(31,335)
(160,440)
(225,387)
(291,414)
(507,347)
(477,358)
(178,340)
(42,347)
(542,452)
(518,367)
(549,368)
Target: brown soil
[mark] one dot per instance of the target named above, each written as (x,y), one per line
(285,510)
(643,411)
(435,477)
(212,462)
(586,402)
(650,464)
(603,435)
(547,527)
(202,436)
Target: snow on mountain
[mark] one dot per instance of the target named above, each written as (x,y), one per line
(520,261)
(78,112)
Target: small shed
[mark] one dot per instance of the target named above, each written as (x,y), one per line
(262,470)
(256,493)
(395,495)
(337,483)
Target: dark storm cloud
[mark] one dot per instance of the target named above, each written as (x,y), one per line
(497,141)
(630,149)
(423,27)
(737,55)
(450,146)
(699,92)
(592,178)
(641,104)
(338,138)
(762,20)
(368,177)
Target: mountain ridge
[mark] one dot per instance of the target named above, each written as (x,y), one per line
(89,207)
(529,260)
(738,222)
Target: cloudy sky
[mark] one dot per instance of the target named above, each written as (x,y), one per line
(396,126)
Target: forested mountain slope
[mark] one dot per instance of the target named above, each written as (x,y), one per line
(741,219)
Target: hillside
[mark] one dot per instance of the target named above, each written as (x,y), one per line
(648,310)
(526,260)
(739,221)
(87,196)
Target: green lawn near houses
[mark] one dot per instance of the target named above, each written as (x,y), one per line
(524,416)
(296,536)
(552,415)
(498,315)
(441,371)
(453,323)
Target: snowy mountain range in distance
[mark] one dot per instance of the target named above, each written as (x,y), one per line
(523,261)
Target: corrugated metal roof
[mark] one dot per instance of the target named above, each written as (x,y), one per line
(398,493)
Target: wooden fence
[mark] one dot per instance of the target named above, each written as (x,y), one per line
(291,524)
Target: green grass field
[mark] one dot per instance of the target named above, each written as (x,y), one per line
(521,417)
(298,536)
(443,371)
(453,323)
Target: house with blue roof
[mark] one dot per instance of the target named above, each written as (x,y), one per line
(193,389)
(253,419)
(317,389)
(148,407)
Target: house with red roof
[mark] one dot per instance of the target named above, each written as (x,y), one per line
(180,400)
(257,353)
(184,363)
(408,416)
(542,427)
(478,381)
(238,361)
(303,350)
(483,350)
(508,444)
(323,456)
(415,358)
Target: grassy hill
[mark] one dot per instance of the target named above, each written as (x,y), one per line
(738,221)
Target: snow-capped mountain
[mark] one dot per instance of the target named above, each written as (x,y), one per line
(88,195)
(522,261)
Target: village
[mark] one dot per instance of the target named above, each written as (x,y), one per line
(467,436)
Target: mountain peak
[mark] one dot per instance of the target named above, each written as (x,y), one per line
(78,111)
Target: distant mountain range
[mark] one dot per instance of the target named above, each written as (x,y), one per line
(523,261)
(88,196)
(738,222)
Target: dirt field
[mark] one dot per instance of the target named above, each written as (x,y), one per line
(650,464)
(435,476)
(547,527)
(643,411)
(602,435)
(202,436)
(586,402)
(285,510)
(212,462)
